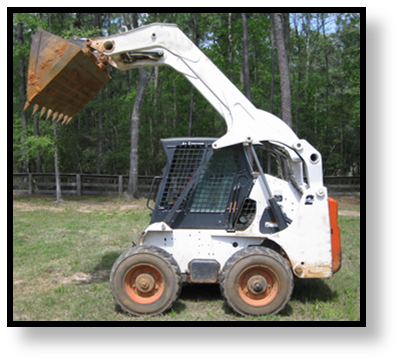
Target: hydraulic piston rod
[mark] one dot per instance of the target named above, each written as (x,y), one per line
(276,209)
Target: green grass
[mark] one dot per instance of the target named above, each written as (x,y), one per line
(63,253)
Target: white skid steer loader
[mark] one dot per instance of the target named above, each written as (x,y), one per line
(218,217)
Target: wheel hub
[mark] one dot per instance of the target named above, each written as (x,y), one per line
(257,284)
(145,283)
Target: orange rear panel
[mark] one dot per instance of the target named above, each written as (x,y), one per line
(335,235)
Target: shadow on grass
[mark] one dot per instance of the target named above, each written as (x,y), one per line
(101,272)
(311,290)
(197,293)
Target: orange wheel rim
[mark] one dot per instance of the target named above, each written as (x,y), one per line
(144,284)
(258,285)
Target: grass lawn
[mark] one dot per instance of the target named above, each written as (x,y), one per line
(63,253)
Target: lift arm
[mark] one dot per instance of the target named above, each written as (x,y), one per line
(153,45)
(166,44)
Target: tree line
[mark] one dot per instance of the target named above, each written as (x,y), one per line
(321,101)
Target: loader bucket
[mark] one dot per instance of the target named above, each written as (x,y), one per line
(63,76)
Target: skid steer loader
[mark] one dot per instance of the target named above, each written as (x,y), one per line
(218,216)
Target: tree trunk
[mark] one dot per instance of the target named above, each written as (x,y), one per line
(308,51)
(100,140)
(271,106)
(286,33)
(192,101)
(327,86)
(245,57)
(22,93)
(283,71)
(36,134)
(56,163)
(174,105)
(192,114)
(299,75)
(132,190)
(230,48)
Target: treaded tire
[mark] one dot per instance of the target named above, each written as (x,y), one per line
(145,280)
(256,281)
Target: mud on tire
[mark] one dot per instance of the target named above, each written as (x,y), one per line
(256,281)
(145,280)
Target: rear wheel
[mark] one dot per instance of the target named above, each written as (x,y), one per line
(256,281)
(145,280)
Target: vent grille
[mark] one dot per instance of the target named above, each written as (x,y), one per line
(247,214)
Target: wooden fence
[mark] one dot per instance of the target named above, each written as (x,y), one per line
(78,184)
(101,184)
(342,185)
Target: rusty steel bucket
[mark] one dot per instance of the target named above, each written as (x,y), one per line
(63,76)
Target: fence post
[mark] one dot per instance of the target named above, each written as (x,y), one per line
(79,185)
(30,183)
(120,184)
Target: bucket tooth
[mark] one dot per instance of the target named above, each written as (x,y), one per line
(49,113)
(55,116)
(64,119)
(27,104)
(71,117)
(60,117)
(42,112)
(35,110)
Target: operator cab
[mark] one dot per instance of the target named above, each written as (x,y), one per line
(202,187)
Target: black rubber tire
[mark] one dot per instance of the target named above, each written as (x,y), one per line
(238,269)
(152,258)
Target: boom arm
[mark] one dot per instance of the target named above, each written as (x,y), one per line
(166,44)
(154,45)
(245,122)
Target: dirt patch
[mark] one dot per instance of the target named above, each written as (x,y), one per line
(34,86)
(348,205)
(83,278)
(353,213)
(46,63)
(26,207)
(59,51)
(347,202)
(52,280)
(24,203)
(33,79)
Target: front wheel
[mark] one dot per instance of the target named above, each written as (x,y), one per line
(256,281)
(145,280)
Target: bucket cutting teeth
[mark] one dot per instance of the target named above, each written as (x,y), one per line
(63,75)
(64,119)
(35,110)
(60,117)
(42,112)
(27,104)
(49,113)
